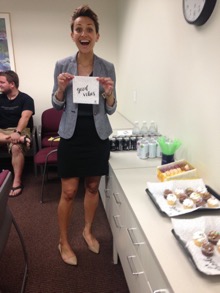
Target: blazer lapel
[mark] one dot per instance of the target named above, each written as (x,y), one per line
(72,66)
(96,67)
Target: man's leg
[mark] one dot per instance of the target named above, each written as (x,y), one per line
(18,166)
(17,153)
(4,138)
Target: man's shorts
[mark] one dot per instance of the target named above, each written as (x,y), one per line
(9,131)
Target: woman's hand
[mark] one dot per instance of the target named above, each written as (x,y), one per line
(63,80)
(108,85)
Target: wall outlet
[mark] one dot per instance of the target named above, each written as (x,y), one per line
(134,96)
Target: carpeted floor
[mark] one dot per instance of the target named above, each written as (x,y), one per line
(47,272)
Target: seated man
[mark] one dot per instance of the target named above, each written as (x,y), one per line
(16,109)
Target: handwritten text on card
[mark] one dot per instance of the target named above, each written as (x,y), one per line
(85,90)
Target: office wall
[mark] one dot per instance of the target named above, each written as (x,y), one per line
(41,35)
(173,70)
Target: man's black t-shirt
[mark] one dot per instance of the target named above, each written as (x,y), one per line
(10,110)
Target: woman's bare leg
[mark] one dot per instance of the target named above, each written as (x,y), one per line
(65,208)
(91,201)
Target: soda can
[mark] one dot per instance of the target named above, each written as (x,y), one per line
(159,152)
(120,143)
(138,146)
(133,143)
(144,150)
(152,149)
(126,144)
(115,138)
(113,146)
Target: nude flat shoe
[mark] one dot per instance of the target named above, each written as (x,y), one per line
(72,260)
(95,247)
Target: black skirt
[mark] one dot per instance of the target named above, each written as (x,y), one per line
(84,154)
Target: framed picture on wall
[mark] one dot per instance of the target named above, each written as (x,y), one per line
(6,45)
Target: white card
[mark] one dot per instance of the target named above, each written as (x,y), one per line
(85,90)
(126,132)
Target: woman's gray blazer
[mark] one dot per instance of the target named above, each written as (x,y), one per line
(101,68)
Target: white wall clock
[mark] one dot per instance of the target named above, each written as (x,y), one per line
(197,12)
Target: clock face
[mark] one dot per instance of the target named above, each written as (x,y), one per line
(193,8)
(198,11)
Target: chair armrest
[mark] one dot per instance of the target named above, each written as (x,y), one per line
(39,136)
(34,139)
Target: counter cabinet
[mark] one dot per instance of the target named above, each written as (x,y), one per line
(141,269)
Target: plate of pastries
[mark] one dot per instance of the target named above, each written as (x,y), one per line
(178,197)
(200,239)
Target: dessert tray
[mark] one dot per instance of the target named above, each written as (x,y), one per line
(184,229)
(155,190)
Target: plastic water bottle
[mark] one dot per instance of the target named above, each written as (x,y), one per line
(144,129)
(136,129)
(152,128)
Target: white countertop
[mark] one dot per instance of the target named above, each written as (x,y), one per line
(133,175)
(129,159)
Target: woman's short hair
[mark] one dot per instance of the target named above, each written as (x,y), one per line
(84,10)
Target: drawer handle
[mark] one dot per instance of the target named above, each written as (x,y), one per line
(133,238)
(158,290)
(116,196)
(161,291)
(132,266)
(117,223)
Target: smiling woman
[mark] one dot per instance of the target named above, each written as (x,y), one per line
(84,147)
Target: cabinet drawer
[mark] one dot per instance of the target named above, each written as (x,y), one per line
(141,268)
(116,205)
(156,278)
(132,267)
(118,197)
(102,190)
(117,219)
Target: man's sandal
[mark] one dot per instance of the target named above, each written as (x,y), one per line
(27,141)
(21,187)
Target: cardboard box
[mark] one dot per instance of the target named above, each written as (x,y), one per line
(177,170)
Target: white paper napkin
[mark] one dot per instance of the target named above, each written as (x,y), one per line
(185,228)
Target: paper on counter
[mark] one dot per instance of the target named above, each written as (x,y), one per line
(126,132)
(85,90)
